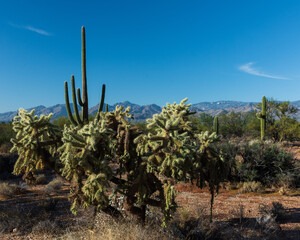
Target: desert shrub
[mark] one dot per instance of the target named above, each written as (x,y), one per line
(236,124)
(41,179)
(109,229)
(53,186)
(47,204)
(7,133)
(46,228)
(202,122)
(7,162)
(259,162)
(249,187)
(276,211)
(61,122)
(5,147)
(11,189)
(229,152)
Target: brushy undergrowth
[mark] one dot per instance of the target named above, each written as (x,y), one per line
(11,189)
(53,186)
(260,162)
(41,179)
(248,187)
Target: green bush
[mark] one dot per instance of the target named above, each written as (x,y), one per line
(265,163)
(6,134)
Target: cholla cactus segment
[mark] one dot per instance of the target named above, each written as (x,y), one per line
(85,154)
(35,138)
(206,139)
(95,190)
(169,147)
(169,204)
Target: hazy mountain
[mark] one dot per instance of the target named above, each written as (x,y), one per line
(139,112)
(146,111)
(216,108)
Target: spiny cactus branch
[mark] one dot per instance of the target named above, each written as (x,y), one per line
(69,112)
(101,104)
(77,116)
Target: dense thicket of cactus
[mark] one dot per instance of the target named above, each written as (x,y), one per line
(262,117)
(109,157)
(83,102)
(216,125)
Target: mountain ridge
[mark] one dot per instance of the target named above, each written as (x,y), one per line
(142,112)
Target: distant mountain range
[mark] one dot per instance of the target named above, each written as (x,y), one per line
(141,113)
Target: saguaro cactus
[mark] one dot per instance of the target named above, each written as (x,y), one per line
(262,117)
(83,102)
(216,125)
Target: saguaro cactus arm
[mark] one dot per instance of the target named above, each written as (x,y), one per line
(77,116)
(69,112)
(102,99)
(101,104)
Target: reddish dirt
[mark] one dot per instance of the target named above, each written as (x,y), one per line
(230,204)
(227,206)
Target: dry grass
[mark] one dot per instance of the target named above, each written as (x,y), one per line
(107,228)
(41,179)
(53,186)
(249,187)
(10,189)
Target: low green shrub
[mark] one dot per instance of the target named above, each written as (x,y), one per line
(260,162)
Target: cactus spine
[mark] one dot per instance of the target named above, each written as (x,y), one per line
(83,102)
(262,117)
(216,125)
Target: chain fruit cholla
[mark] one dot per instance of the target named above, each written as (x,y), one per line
(109,156)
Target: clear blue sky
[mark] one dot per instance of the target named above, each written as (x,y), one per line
(150,51)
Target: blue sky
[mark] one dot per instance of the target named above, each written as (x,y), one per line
(150,51)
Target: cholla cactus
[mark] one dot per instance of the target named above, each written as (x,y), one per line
(85,157)
(172,150)
(36,142)
(209,167)
(109,156)
(169,148)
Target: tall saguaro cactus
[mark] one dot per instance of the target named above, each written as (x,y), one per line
(262,117)
(83,101)
(216,125)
